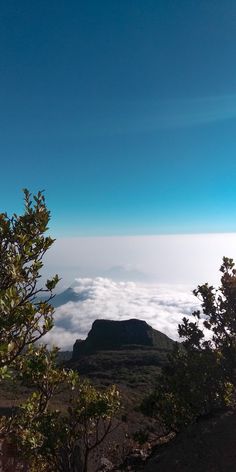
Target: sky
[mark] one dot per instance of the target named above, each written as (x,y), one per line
(124,112)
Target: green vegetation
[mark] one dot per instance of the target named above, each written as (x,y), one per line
(199,377)
(197,380)
(46,439)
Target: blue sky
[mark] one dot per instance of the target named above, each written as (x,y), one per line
(123,111)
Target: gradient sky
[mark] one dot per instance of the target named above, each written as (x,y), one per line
(124,111)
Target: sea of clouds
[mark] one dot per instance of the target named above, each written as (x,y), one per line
(162,306)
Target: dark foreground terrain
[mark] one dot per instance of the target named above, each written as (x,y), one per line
(137,442)
(208,446)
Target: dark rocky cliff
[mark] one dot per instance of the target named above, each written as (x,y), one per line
(117,335)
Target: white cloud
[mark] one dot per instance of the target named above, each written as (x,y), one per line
(162,306)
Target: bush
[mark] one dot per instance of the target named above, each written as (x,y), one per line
(48,440)
(191,385)
(199,376)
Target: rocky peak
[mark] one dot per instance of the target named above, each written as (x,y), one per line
(115,335)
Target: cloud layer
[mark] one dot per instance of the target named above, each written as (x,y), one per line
(162,306)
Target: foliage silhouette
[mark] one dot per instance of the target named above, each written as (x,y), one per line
(47,439)
(200,376)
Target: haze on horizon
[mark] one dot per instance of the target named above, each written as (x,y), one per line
(186,260)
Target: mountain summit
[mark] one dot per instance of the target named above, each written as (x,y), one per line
(117,335)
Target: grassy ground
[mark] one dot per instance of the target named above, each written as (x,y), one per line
(134,380)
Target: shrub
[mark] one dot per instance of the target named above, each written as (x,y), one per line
(199,376)
(47,439)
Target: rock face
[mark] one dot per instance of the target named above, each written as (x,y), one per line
(117,335)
